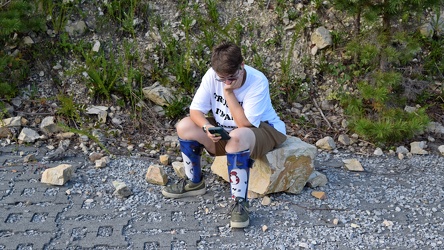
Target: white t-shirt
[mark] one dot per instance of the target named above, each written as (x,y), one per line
(254,97)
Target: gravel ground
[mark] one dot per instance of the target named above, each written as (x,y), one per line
(393,204)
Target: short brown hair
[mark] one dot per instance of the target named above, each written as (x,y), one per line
(226,58)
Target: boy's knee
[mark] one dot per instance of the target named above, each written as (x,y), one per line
(184,124)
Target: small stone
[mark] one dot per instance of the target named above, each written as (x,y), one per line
(65,135)
(402,150)
(387,223)
(88,201)
(317,179)
(179,169)
(100,163)
(335,221)
(326,143)
(303,245)
(264,228)
(122,190)
(353,165)
(319,195)
(93,157)
(156,175)
(28,135)
(29,158)
(164,159)
(418,148)
(58,175)
(353,225)
(378,152)
(266,201)
(96,46)
(344,139)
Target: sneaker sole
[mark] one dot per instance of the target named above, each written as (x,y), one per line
(187,194)
(239,224)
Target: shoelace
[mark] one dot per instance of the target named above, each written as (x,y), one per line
(181,184)
(239,205)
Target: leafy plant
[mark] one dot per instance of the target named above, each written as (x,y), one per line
(58,12)
(374,111)
(16,17)
(113,73)
(177,108)
(124,12)
(69,109)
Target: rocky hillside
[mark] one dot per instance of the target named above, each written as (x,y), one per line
(62,88)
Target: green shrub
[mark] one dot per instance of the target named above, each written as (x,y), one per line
(16,17)
(374,110)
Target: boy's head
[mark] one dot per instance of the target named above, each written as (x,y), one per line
(226,58)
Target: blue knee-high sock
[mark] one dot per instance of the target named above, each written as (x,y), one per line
(239,172)
(191,152)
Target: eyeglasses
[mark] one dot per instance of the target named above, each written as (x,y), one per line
(229,78)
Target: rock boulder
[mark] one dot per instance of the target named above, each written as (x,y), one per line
(285,169)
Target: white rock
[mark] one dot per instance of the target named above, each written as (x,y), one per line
(387,223)
(28,40)
(435,127)
(95,110)
(122,190)
(402,150)
(102,162)
(326,143)
(441,149)
(158,94)
(378,152)
(12,122)
(48,126)
(418,148)
(353,165)
(58,175)
(28,135)
(96,46)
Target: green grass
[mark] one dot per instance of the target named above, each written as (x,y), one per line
(177,54)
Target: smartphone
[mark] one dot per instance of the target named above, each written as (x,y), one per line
(218,131)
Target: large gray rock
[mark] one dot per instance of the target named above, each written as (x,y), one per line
(158,94)
(321,37)
(285,169)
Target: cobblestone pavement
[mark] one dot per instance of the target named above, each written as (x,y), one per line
(390,206)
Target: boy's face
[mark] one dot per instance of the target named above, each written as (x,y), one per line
(228,78)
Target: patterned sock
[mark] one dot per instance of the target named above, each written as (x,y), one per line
(239,172)
(191,154)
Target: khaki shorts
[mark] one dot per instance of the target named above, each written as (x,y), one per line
(267,138)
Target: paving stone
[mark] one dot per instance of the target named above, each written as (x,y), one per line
(93,233)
